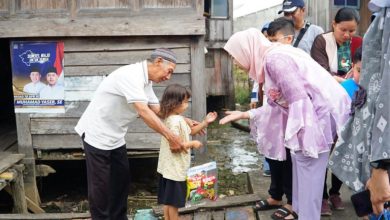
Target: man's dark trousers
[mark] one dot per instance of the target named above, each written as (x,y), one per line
(108,182)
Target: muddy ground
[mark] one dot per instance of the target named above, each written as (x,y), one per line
(235,154)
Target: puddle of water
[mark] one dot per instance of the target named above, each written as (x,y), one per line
(236,147)
(242,159)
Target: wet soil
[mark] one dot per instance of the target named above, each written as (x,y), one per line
(232,149)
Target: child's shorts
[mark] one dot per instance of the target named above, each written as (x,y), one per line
(172,192)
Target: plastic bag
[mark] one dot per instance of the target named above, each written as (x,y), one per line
(385,215)
(202,183)
(145,214)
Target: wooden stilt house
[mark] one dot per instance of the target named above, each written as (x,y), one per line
(99,36)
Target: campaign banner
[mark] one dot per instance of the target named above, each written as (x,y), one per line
(38,76)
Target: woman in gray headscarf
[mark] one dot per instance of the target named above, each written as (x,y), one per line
(365,140)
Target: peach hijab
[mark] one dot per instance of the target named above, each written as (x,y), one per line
(249,48)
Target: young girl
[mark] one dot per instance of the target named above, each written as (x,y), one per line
(173,167)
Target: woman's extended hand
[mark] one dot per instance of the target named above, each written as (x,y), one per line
(233,116)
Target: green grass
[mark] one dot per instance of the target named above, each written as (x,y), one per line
(242,95)
(242,87)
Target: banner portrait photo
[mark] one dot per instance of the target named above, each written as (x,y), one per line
(38,76)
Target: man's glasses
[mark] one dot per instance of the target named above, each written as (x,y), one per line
(281,38)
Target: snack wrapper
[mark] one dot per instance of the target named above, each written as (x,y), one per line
(202,183)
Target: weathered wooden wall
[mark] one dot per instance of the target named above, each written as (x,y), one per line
(218,63)
(50,18)
(100,36)
(87,62)
(219,72)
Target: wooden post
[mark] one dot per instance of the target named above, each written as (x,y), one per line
(365,17)
(198,86)
(17,189)
(199,7)
(228,80)
(25,147)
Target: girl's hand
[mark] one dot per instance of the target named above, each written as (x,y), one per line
(233,116)
(193,123)
(210,117)
(196,144)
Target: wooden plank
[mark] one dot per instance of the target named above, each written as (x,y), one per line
(219,30)
(17,189)
(78,154)
(31,205)
(227,29)
(215,44)
(241,213)
(138,141)
(124,43)
(25,147)
(198,86)
(59,125)
(167,4)
(78,95)
(215,83)
(104,70)
(219,203)
(163,22)
(86,95)
(34,206)
(212,30)
(255,180)
(8,160)
(218,215)
(46,216)
(228,77)
(4,7)
(199,6)
(220,25)
(118,57)
(53,125)
(7,139)
(230,8)
(30,6)
(186,217)
(91,83)
(106,4)
(202,216)
(24,134)
(74,109)
(88,83)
